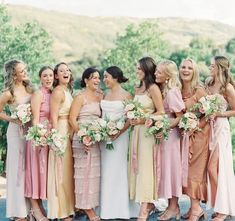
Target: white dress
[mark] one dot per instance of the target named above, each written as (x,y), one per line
(114,172)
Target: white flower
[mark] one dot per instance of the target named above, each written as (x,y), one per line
(98,137)
(120,125)
(129,107)
(102,122)
(130,114)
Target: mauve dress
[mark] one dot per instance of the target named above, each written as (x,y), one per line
(87,164)
(37,158)
(170,154)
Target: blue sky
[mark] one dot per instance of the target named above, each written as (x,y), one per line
(219,10)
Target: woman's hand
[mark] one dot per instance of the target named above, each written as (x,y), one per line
(134,122)
(114,137)
(16,121)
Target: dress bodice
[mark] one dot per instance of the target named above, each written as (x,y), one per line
(89,111)
(146,102)
(114,109)
(65,107)
(45,105)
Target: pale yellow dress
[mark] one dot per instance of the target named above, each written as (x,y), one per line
(142,159)
(60,171)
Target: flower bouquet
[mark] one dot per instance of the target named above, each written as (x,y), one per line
(22,112)
(189,122)
(158,124)
(57,142)
(38,134)
(113,127)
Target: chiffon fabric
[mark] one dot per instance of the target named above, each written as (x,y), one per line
(87,163)
(60,191)
(170,153)
(114,199)
(16,203)
(37,158)
(142,175)
(221,186)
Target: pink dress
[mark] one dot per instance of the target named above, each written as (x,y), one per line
(170,156)
(37,158)
(87,164)
(221,190)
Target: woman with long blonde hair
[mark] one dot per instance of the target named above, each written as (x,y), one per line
(221,187)
(170,186)
(17,91)
(195,182)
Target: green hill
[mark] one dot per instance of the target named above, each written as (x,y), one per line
(75,35)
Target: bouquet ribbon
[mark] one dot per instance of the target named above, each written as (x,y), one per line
(185,155)
(211,138)
(134,157)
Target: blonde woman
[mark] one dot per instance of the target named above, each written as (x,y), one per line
(170,187)
(196,185)
(221,188)
(17,91)
(60,192)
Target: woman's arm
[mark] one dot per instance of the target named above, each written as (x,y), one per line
(36,101)
(57,98)
(156,95)
(74,112)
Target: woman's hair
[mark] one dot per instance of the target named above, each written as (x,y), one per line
(171,70)
(116,73)
(9,78)
(223,74)
(195,82)
(43,69)
(87,74)
(148,66)
(56,81)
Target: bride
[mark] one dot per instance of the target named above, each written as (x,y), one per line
(114,173)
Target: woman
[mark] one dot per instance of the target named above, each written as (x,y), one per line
(221,188)
(60,192)
(170,187)
(36,158)
(85,108)
(196,185)
(114,178)
(142,158)
(17,91)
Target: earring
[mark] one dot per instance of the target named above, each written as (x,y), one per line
(166,81)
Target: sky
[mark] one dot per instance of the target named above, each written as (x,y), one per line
(219,10)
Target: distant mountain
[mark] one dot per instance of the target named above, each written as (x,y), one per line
(75,35)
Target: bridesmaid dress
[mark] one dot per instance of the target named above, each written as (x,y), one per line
(16,203)
(221,187)
(60,192)
(143,183)
(87,164)
(37,158)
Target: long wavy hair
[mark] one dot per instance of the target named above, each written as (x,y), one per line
(9,78)
(223,73)
(148,66)
(56,81)
(171,70)
(195,82)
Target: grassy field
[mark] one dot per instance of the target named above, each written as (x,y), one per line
(76,35)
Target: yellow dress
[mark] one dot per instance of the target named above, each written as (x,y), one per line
(142,159)
(60,171)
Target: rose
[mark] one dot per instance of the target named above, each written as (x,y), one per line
(81,132)
(86,140)
(148,123)
(102,122)
(129,107)
(98,137)
(130,114)
(43,141)
(113,132)
(159,124)
(120,125)
(111,125)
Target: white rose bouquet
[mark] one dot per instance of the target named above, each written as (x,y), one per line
(57,142)
(113,127)
(207,105)
(189,122)
(38,134)
(158,124)
(22,112)
(133,109)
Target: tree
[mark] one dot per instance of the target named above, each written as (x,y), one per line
(28,42)
(137,41)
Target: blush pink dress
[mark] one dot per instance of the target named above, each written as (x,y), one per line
(87,164)
(37,158)
(170,156)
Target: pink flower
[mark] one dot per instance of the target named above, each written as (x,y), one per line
(86,140)
(148,123)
